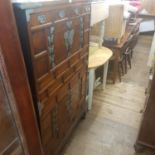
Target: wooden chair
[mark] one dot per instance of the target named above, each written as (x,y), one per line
(134,42)
(121,65)
(127,51)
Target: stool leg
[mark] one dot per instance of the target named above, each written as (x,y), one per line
(105,74)
(91,87)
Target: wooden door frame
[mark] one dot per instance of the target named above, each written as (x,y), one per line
(13,64)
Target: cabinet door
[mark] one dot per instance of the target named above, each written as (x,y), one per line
(9,138)
(147,134)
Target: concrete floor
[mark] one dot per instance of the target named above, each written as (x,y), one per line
(111,127)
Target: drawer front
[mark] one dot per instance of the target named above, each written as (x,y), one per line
(47,15)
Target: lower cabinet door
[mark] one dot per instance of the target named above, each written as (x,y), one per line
(10,143)
(62,110)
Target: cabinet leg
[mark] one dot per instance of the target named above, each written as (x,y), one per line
(139,148)
(91,87)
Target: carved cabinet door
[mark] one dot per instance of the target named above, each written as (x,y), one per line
(9,136)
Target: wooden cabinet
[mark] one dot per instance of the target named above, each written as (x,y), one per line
(146,136)
(18,128)
(55,39)
(10,141)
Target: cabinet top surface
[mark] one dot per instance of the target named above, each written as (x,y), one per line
(30,4)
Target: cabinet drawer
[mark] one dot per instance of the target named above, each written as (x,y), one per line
(43,97)
(68,74)
(79,65)
(64,110)
(41,64)
(38,41)
(48,107)
(84,51)
(62,92)
(87,22)
(86,9)
(60,70)
(74,59)
(46,15)
(55,86)
(86,37)
(44,82)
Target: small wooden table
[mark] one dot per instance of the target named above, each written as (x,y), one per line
(97,57)
(117,48)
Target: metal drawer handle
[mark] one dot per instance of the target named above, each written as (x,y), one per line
(62,14)
(69,24)
(42,19)
(87,9)
(76,10)
(52,30)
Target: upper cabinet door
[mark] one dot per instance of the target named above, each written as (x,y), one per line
(9,137)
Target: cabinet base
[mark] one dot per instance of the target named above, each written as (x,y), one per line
(139,148)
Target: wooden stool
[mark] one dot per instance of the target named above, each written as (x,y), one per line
(97,57)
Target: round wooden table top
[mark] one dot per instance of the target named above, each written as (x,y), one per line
(98,56)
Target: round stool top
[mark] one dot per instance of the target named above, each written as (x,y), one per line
(98,56)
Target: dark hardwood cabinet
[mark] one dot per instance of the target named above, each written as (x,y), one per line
(10,140)
(55,41)
(19,134)
(146,136)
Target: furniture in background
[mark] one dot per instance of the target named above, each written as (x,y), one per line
(131,29)
(146,136)
(99,13)
(149,5)
(55,41)
(115,27)
(128,52)
(148,14)
(98,56)
(19,134)
(10,137)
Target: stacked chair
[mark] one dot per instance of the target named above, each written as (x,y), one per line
(126,55)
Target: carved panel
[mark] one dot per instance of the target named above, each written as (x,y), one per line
(61,52)
(69,36)
(51,45)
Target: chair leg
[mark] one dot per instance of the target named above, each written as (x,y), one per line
(132,53)
(122,68)
(129,60)
(119,73)
(125,64)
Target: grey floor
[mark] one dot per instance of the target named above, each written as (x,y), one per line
(111,127)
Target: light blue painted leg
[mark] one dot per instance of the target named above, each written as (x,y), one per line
(91,87)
